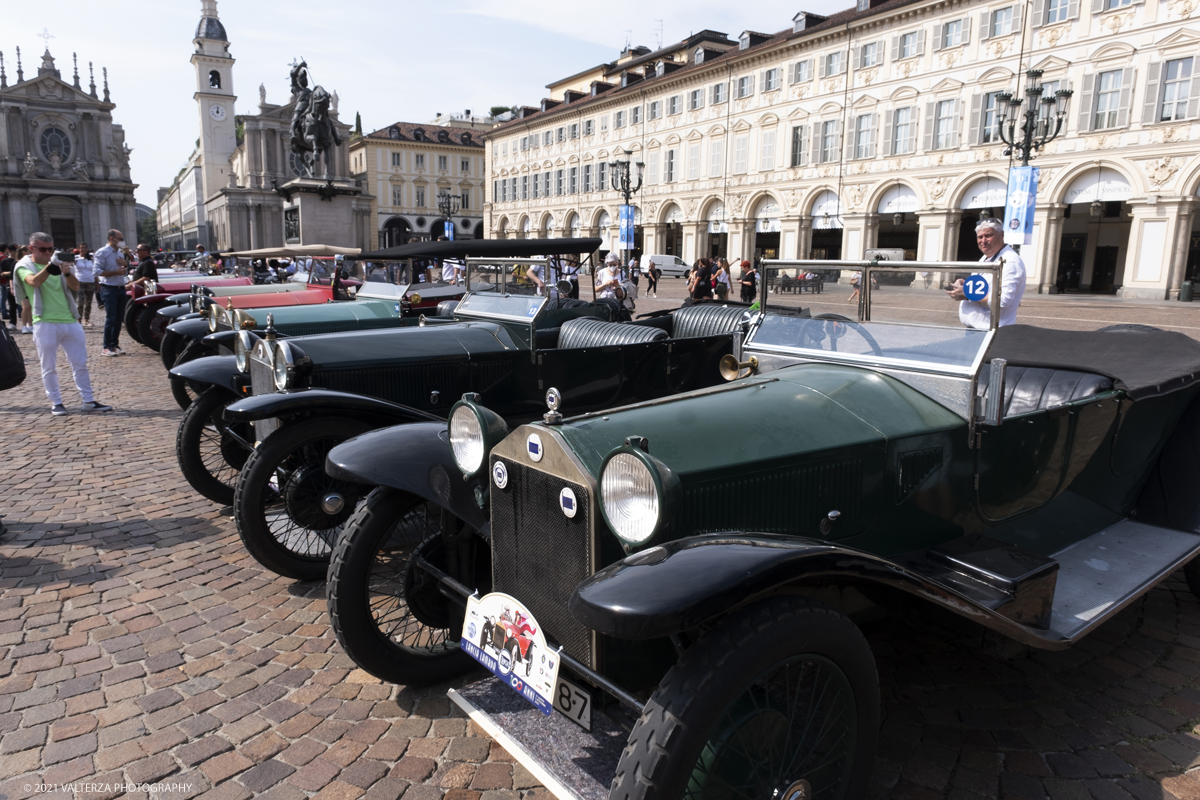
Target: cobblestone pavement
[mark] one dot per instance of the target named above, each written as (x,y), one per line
(139,644)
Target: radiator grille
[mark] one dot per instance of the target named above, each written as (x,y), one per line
(539,555)
(262,381)
(791,500)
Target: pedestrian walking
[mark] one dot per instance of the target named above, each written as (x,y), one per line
(652,274)
(111,267)
(749,281)
(8,301)
(989,236)
(85,273)
(721,280)
(20,294)
(50,283)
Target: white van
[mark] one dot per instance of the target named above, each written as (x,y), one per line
(673,266)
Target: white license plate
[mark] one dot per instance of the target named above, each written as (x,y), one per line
(573,703)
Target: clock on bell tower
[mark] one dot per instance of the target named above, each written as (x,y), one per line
(214,97)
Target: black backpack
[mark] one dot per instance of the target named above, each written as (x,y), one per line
(12,363)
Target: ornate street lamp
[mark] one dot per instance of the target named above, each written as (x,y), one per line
(448,204)
(623,183)
(1037,128)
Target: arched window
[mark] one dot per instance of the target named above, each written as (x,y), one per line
(56,141)
(214,80)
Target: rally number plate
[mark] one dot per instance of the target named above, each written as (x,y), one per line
(573,703)
(500,633)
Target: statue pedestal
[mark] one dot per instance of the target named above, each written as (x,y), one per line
(319,212)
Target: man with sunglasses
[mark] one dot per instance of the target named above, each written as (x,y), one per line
(989,235)
(111,267)
(51,285)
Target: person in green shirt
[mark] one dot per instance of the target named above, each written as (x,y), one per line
(50,285)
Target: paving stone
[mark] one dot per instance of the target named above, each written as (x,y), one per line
(265,775)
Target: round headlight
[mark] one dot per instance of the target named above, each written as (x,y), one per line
(635,490)
(283,360)
(474,431)
(213,311)
(242,345)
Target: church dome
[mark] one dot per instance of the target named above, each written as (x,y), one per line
(211,28)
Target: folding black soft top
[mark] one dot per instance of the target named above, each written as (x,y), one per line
(483,248)
(1142,361)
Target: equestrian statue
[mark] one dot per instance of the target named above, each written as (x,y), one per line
(313,132)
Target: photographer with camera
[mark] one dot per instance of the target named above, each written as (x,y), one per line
(50,283)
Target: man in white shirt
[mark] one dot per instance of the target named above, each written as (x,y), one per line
(111,266)
(989,235)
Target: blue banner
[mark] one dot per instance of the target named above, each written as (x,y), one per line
(626,227)
(1018,209)
(449,230)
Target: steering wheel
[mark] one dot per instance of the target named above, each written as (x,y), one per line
(837,326)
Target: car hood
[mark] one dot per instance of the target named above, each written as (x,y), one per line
(390,346)
(325,312)
(805,409)
(174,285)
(301,298)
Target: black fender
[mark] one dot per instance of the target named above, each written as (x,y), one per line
(190,328)
(683,584)
(414,458)
(183,298)
(221,339)
(280,404)
(150,299)
(214,371)
(176,312)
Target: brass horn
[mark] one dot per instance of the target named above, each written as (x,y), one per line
(731,368)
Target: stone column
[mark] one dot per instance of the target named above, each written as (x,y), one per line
(804,238)
(1041,258)
(871,231)
(854,235)
(254,234)
(1152,253)
(693,239)
(932,243)
(1179,256)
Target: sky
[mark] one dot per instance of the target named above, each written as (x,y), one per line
(389,61)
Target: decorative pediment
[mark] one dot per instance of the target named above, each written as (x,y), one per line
(1052,64)
(831,108)
(695,135)
(716,130)
(866,101)
(1115,50)
(798,113)
(673,139)
(947,85)
(1180,38)
(996,75)
(741,125)
(903,93)
(767,119)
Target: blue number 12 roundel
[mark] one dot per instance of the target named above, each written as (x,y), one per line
(975,287)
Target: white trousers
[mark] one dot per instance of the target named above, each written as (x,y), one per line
(48,337)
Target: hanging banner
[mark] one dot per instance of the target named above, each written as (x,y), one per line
(449,227)
(1018,210)
(626,227)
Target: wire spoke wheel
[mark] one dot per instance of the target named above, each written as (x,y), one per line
(288,511)
(388,612)
(210,455)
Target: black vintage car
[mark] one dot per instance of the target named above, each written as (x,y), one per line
(705,595)
(207,376)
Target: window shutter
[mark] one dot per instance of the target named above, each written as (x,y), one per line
(851,138)
(956,124)
(929,126)
(966,29)
(1150,104)
(921,42)
(751,86)
(895,48)
(874,136)
(910,143)
(1073,9)
(1097,6)
(837,135)
(985,30)
(1086,103)
(857,58)
(976,130)
(822,62)
(888,121)
(1018,15)
(1039,12)
(1194,97)
(1127,76)
(939,32)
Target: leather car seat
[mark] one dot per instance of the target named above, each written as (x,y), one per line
(706,319)
(592,332)
(1029,389)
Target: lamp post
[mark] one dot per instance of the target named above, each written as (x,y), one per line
(1037,128)
(623,183)
(448,204)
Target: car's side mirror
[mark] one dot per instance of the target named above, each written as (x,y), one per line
(993,410)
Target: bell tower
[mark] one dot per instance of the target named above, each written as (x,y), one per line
(215,98)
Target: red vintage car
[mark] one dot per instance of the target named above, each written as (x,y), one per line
(515,636)
(156,295)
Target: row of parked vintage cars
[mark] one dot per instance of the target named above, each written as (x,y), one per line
(419,445)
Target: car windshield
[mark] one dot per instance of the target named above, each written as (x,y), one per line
(906,345)
(502,289)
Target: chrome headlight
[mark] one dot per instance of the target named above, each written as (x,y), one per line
(243,344)
(284,365)
(474,430)
(151,287)
(636,491)
(213,311)
(245,320)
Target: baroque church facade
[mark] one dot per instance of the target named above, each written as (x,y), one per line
(64,163)
(230,195)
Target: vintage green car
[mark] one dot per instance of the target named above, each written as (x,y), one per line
(701,559)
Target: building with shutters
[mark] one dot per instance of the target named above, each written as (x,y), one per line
(878,127)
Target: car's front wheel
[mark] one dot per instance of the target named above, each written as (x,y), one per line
(288,511)
(779,700)
(151,325)
(210,455)
(132,312)
(387,612)
(169,348)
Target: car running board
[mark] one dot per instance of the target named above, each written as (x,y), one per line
(1100,575)
(573,764)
